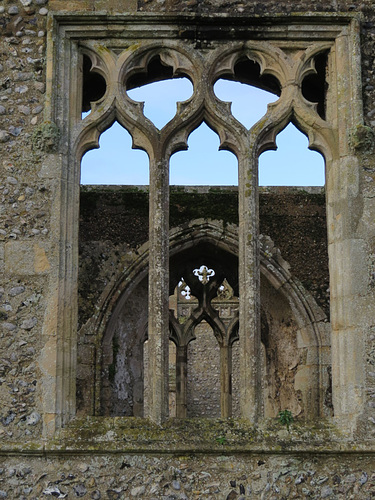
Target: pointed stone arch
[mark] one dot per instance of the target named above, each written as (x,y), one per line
(312,328)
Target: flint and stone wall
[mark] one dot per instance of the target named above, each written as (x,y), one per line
(99,460)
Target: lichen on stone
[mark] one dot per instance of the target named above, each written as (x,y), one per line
(46,138)
(363,139)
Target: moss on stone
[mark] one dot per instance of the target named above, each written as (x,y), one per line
(112,366)
(197,435)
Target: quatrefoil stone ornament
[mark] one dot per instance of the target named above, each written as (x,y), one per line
(204,274)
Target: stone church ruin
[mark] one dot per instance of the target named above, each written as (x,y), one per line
(151,335)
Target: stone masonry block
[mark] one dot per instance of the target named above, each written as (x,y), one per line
(26,258)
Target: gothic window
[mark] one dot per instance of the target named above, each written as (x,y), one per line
(298,63)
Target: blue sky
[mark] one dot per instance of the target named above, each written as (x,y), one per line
(116,163)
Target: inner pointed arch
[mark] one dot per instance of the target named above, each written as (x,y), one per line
(114,161)
(293,163)
(204,163)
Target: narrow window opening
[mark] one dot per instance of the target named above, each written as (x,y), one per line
(93,85)
(293,164)
(115,162)
(113,221)
(203,164)
(203,368)
(172,357)
(314,86)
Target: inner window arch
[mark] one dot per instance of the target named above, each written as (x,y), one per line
(115,162)
(203,163)
(202,328)
(293,163)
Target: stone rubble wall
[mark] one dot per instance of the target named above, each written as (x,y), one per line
(25,216)
(183,478)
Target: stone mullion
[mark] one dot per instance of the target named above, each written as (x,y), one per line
(181,381)
(249,331)
(158,307)
(226,380)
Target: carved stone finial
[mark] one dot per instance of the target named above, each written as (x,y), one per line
(225,291)
(46,138)
(204,274)
(271,251)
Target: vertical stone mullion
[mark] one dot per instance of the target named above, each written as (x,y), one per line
(226,380)
(249,332)
(181,381)
(158,316)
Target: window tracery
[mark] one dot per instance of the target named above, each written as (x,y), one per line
(262,65)
(125,51)
(209,322)
(184,289)
(204,274)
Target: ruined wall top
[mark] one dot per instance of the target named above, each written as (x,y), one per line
(240,7)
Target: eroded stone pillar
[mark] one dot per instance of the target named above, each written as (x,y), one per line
(226,380)
(249,330)
(158,302)
(181,381)
(348,259)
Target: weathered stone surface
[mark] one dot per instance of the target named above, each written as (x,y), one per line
(26,258)
(39,251)
(46,137)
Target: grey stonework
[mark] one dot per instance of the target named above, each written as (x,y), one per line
(46,449)
(113,223)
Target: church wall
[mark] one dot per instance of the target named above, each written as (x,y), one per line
(33,463)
